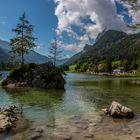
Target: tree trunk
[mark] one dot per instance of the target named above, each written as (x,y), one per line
(54,59)
(22,58)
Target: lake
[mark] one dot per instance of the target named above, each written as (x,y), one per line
(56,111)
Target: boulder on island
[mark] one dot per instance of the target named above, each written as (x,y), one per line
(117,110)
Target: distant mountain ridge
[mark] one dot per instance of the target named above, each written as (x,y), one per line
(31,57)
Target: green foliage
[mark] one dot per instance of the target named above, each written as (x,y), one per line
(23,72)
(53,74)
(72,68)
(116,64)
(103,67)
(24,39)
(122,49)
(65,67)
(40,76)
(109,65)
(84,68)
(7,65)
(4,82)
(96,69)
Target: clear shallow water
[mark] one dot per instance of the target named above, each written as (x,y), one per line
(84,96)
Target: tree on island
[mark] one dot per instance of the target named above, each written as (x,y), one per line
(55,52)
(24,40)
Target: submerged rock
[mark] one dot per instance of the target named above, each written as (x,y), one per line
(40,130)
(89,135)
(137,137)
(35,136)
(117,110)
(63,137)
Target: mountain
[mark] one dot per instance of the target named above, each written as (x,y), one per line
(78,55)
(100,35)
(104,40)
(111,50)
(31,57)
(110,37)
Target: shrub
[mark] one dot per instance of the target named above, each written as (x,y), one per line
(22,72)
(4,82)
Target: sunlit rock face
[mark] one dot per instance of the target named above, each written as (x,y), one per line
(8,117)
(117,110)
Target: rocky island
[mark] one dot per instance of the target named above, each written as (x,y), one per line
(44,76)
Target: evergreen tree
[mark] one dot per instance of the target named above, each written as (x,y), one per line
(109,65)
(24,40)
(55,53)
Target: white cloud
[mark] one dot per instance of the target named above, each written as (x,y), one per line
(101,12)
(133,10)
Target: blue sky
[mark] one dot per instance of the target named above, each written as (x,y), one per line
(70,20)
(40,13)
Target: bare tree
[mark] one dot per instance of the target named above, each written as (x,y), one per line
(55,52)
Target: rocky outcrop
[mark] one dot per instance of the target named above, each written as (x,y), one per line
(8,118)
(117,110)
(39,76)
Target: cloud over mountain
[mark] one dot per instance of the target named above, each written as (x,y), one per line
(83,20)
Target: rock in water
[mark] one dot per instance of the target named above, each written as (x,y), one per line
(7,118)
(117,110)
(63,137)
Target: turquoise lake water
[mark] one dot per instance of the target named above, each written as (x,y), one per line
(84,96)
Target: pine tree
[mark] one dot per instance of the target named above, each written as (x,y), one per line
(55,53)
(109,65)
(24,40)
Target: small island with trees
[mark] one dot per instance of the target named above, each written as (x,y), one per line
(45,75)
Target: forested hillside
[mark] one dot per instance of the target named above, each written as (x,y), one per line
(112,47)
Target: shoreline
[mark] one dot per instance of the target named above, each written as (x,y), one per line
(106,74)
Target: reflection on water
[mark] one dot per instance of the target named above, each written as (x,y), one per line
(83,97)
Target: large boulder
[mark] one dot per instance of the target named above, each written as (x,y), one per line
(117,110)
(8,118)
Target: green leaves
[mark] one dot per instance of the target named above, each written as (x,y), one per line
(24,40)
